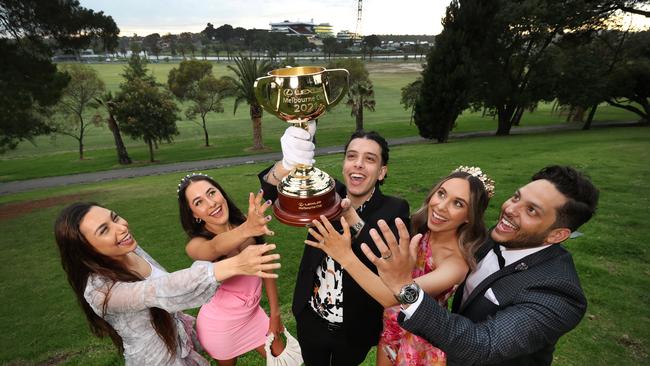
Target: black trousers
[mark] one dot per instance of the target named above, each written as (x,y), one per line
(323,344)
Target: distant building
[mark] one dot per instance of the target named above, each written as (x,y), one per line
(345,35)
(306,29)
(324,30)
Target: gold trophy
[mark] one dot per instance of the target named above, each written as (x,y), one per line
(298,95)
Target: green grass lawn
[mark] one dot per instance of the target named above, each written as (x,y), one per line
(231,134)
(41,320)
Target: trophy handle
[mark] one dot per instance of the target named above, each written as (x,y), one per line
(261,87)
(344,90)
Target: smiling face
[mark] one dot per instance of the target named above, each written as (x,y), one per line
(107,232)
(208,204)
(448,207)
(528,217)
(362,168)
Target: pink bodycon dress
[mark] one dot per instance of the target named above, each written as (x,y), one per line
(233,322)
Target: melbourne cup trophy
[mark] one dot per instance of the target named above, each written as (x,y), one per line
(298,95)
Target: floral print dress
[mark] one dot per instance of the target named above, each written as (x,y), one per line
(404,348)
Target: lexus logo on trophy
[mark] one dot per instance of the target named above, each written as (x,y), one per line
(298,95)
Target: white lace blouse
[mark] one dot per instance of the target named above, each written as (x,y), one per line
(128,306)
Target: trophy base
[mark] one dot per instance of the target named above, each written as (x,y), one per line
(304,195)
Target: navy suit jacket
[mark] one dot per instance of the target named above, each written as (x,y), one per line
(539,299)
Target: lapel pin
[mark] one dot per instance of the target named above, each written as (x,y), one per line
(521,267)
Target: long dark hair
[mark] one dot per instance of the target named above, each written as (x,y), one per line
(470,234)
(194,228)
(79,260)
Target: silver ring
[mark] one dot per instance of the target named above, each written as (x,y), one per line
(386,257)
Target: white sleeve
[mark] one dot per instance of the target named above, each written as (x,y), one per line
(180,290)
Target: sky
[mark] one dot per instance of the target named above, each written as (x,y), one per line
(378,16)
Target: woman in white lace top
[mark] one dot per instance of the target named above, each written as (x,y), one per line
(128,296)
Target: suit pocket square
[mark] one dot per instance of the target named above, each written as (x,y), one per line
(489,294)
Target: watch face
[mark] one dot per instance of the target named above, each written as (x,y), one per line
(409,294)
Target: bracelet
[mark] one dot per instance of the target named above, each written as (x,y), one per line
(275,176)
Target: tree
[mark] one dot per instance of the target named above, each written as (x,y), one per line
(29,82)
(247,71)
(410,94)
(329,47)
(513,53)
(186,44)
(193,81)
(107,101)
(356,68)
(78,95)
(610,66)
(361,96)
(224,33)
(448,74)
(182,80)
(150,44)
(370,42)
(170,40)
(361,92)
(143,109)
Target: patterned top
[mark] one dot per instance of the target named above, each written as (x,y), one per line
(327,299)
(128,306)
(404,348)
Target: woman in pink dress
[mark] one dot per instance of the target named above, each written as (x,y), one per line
(449,227)
(232,322)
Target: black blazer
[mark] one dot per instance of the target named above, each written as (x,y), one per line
(362,315)
(539,299)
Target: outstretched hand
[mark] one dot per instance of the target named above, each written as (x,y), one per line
(254,261)
(397,260)
(256,220)
(328,239)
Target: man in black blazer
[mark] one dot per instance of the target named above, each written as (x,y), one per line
(337,321)
(524,293)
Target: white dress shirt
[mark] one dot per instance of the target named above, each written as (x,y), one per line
(488,265)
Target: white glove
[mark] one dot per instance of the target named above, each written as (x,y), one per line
(297,147)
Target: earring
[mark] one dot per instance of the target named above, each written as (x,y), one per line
(198,220)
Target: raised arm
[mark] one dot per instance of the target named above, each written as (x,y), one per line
(450,272)
(297,148)
(184,289)
(542,314)
(199,248)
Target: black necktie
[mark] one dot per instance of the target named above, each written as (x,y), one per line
(497,250)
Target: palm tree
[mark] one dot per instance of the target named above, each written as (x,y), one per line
(247,71)
(107,101)
(361,95)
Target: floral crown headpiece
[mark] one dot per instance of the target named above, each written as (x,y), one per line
(186,179)
(475,171)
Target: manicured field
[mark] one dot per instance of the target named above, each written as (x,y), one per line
(231,134)
(42,323)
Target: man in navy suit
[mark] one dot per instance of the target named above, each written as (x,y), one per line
(524,293)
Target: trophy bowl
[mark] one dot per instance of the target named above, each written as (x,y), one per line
(298,95)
